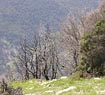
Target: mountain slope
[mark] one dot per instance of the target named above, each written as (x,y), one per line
(19,17)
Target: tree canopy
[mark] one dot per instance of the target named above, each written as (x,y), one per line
(93,50)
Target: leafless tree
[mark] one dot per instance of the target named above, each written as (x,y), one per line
(50,56)
(70,39)
(38,58)
(23,58)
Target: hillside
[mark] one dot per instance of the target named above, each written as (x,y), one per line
(50,47)
(63,86)
(19,17)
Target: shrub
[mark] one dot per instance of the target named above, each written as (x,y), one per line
(92,51)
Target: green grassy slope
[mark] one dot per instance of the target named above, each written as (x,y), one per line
(63,86)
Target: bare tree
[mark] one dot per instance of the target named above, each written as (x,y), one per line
(38,58)
(70,39)
(34,52)
(23,58)
(50,56)
(93,17)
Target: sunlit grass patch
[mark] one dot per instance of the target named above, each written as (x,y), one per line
(66,86)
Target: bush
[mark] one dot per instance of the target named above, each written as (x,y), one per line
(92,51)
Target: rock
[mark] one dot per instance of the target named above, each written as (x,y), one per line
(49,91)
(65,90)
(97,78)
(64,77)
(101,92)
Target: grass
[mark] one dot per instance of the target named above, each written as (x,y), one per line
(82,87)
